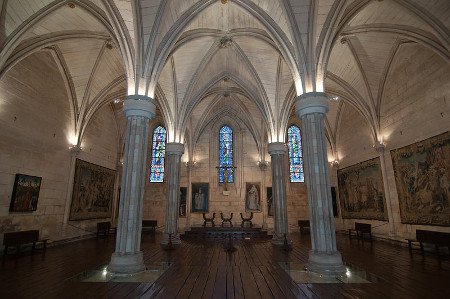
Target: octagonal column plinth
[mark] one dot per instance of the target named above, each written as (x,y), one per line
(324,257)
(127,258)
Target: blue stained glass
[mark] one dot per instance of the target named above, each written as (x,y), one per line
(158,155)
(295,155)
(226,153)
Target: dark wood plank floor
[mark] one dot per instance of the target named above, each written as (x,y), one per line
(204,270)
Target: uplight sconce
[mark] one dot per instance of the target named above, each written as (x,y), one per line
(263,165)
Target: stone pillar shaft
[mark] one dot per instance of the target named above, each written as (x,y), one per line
(127,259)
(323,257)
(380,147)
(174,151)
(277,151)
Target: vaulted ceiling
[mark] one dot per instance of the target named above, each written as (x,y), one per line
(192,54)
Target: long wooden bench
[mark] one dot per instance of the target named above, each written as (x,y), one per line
(302,224)
(151,224)
(17,239)
(103,229)
(360,230)
(438,239)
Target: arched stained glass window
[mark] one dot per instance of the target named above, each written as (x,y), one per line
(295,155)
(226,154)
(158,154)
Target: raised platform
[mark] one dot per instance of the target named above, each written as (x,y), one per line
(219,232)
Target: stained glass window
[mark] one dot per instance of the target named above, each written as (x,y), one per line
(295,155)
(158,154)
(226,154)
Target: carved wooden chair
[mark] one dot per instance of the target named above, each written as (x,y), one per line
(224,219)
(247,220)
(210,220)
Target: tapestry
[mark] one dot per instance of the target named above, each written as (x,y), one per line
(93,191)
(334,202)
(25,193)
(253,197)
(200,197)
(361,192)
(270,205)
(422,176)
(182,205)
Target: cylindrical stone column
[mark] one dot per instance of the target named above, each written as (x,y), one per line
(174,151)
(277,151)
(324,256)
(379,147)
(127,259)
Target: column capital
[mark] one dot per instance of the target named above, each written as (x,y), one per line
(379,147)
(174,148)
(311,102)
(139,105)
(277,148)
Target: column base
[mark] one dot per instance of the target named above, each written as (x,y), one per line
(323,263)
(279,240)
(126,263)
(175,239)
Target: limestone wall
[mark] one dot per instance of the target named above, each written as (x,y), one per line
(415,107)
(36,122)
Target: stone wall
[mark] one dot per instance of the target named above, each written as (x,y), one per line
(36,122)
(415,107)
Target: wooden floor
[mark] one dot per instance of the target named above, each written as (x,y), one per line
(203,270)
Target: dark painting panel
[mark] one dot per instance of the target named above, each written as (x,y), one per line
(182,206)
(253,197)
(270,205)
(200,192)
(25,193)
(93,191)
(361,192)
(422,176)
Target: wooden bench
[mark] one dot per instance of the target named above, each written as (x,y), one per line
(17,239)
(152,224)
(302,224)
(103,229)
(360,230)
(438,239)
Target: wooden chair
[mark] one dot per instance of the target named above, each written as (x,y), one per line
(302,224)
(247,220)
(224,219)
(17,239)
(208,220)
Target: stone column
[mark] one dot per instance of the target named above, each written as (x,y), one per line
(174,151)
(277,151)
(379,147)
(74,152)
(324,256)
(127,259)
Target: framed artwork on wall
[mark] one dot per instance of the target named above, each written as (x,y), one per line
(182,206)
(422,176)
(270,206)
(252,197)
(25,193)
(361,191)
(93,191)
(334,202)
(200,193)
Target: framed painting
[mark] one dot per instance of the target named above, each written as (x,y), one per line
(253,197)
(182,206)
(361,191)
(25,193)
(334,202)
(270,205)
(200,193)
(93,191)
(422,176)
